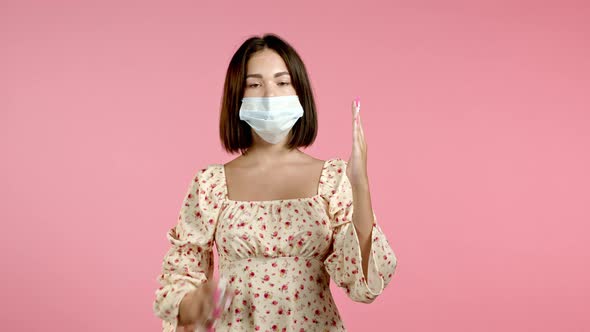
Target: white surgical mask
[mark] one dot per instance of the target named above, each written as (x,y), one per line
(271,117)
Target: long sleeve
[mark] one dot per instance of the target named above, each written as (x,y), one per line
(344,263)
(189,261)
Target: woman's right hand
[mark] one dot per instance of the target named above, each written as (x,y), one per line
(196,308)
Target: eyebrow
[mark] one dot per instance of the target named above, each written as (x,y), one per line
(276,75)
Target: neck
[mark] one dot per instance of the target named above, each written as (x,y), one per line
(267,154)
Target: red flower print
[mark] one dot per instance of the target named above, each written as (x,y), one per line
(296,234)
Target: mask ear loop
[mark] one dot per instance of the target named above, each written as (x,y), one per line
(216,309)
(219,300)
(216,312)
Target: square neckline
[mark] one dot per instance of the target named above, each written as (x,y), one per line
(270,201)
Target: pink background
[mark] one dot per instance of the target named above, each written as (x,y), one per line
(477,118)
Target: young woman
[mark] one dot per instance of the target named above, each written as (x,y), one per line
(284,222)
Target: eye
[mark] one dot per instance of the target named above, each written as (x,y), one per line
(253,85)
(284,83)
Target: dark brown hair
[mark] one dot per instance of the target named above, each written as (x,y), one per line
(236,135)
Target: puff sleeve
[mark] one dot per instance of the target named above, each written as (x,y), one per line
(189,261)
(344,263)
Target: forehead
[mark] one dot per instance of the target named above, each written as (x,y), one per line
(266,62)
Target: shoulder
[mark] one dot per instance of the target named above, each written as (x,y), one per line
(333,174)
(207,173)
(336,164)
(337,191)
(335,168)
(208,180)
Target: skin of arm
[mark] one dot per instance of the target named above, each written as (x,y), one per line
(362,218)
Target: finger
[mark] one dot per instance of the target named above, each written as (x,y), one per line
(225,302)
(354,126)
(354,113)
(212,285)
(361,130)
(229,302)
(209,323)
(354,119)
(207,313)
(206,305)
(359,139)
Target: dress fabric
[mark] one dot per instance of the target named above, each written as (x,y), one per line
(279,255)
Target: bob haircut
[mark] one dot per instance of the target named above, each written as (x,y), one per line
(235,134)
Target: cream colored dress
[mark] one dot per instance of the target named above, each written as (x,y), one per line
(279,255)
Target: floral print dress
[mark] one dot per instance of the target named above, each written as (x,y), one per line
(279,255)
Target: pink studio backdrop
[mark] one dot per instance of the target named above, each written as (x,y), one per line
(476,116)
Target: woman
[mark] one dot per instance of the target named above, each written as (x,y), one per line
(282,221)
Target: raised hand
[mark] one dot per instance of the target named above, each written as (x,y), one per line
(357,163)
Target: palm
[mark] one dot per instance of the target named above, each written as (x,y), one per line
(357,163)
